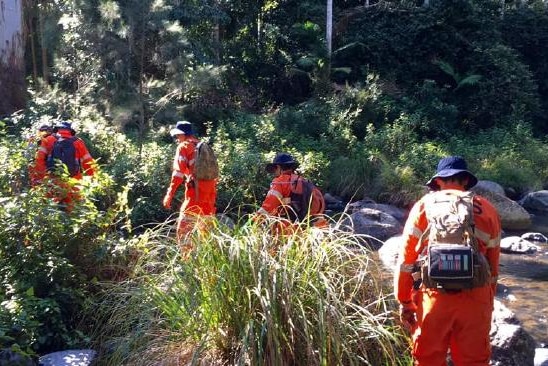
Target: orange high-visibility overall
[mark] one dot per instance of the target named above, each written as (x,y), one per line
(276,203)
(459,320)
(200,195)
(62,191)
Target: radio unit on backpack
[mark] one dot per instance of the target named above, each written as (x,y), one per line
(452,259)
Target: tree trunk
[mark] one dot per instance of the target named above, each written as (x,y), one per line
(12,61)
(30,7)
(44,47)
(329,27)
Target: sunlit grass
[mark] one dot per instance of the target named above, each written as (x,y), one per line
(246,297)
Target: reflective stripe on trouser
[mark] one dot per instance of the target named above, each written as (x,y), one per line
(459,322)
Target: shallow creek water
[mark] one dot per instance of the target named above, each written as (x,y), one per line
(523,288)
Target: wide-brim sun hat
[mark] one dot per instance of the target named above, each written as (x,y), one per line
(182,128)
(64,125)
(451,166)
(283,159)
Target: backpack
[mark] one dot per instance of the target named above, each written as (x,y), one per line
(451,259)
(205,162)
(64,152)
(305,198)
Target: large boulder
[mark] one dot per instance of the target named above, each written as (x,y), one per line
(373,224)
(516,244)
(511,345)
(536,201)
(81,357)
(493,187)
(512,215)
(398,213)
(389,252)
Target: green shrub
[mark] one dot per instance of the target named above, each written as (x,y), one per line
(48,257)
(244,297)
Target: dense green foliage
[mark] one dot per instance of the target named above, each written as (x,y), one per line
(310,298)
(406,84)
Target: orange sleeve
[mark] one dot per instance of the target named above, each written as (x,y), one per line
(488,232)
(279,189)
(39,169)
(184,159)
(415,225)
(82,153)
(181,168)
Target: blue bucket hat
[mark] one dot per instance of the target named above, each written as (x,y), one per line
(64,125)
(283,159)
(182,128)
(450,166)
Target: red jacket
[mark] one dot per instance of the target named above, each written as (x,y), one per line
(46,147)
(277,196)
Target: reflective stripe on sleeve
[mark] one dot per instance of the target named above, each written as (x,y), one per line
(86,157)
(406,267)
(275,193)
(43,150)
(262,211)
(416,232)
(486,238)
(178,174)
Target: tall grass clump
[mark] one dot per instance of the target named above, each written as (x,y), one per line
(246,297)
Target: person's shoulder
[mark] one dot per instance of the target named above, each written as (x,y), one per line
(77,141)
(483,202)
(282,179)
(48,141)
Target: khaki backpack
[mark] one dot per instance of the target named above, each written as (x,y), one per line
(452,260)
(205,162)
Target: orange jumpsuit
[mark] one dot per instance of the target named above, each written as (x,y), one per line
(38,169)
(200,196)
(458,321)
(62,191)
(276,203)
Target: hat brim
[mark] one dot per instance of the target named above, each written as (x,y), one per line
(271,167)
(472,180)
(176,131)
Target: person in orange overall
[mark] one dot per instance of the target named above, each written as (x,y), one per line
(199,197)
(442,320)
(62,190)
(277,200)
(37,169)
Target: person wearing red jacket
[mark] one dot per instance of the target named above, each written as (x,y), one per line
(441,319)
(37,169)
(199,196)
(64,191)
(278,199)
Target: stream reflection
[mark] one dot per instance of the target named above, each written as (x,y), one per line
(526,279)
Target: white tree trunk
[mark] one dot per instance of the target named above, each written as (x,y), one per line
(329,27)
(12,78)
